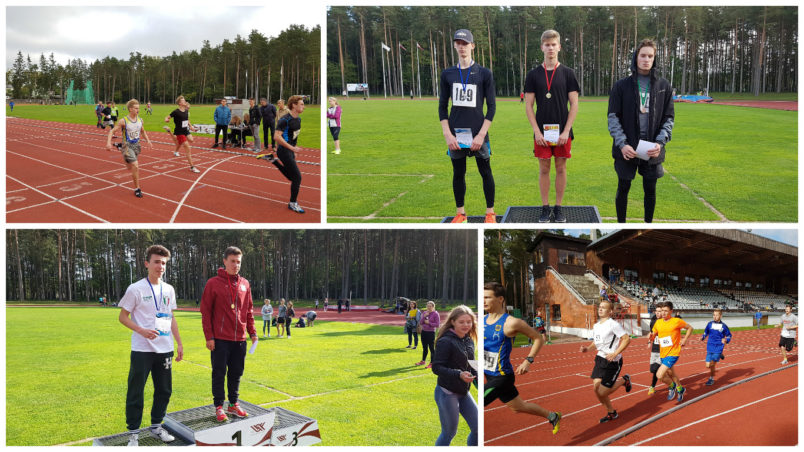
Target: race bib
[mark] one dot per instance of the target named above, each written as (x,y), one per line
(134,135)
(185,124)
(296,134)
(464,97)
(490,360)
(717,327)
(666,341)
(656,340)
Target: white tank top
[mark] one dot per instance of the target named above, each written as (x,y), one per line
(133,130)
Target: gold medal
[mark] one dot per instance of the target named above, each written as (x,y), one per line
(232,305)
(549,95)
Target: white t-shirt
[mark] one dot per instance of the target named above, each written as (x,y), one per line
(606,335)
(788,321)
(267,311)
(139,301)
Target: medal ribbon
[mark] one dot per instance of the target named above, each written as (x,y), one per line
(468,73)
(549,82)
(643,96)
(156,305)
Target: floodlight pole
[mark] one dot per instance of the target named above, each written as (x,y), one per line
(382,55)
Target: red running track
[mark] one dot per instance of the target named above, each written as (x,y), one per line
(62,173)
(772,104)
(559,381)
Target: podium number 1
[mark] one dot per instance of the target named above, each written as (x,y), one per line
(238,437)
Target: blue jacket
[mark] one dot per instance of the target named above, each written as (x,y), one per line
(715,343)
(222,115)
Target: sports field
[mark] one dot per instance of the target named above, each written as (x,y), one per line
(66,373)
(724,163)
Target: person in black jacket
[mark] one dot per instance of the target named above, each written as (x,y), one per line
(640,109)
(268,112)
(455,348)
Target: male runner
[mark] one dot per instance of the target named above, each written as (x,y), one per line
(719,335)
(228,320)
(551,85)
(609,359)
(287,134)
(668,330)
(500,329)
(182,130)
(538,324)
(107,116)
(789,326)
(655,357)
(466,128)
(150,317)
(132,128)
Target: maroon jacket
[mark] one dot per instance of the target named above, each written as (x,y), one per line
(218,316)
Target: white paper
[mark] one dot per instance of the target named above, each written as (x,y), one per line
(473,364)
(464,137)
(253,348)
(552,133)
(642,149)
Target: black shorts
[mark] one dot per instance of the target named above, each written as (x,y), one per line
(336,132)
(787,342)
(627,169)
(606,371)
(499,387)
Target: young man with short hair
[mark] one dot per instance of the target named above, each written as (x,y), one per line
(719,335)
(182,130)
(609,358)
(287,134)
(655,358)
(107,116)
(222,117)
(254,119)
(789,325)
(147,310)
(500,329)
(228,320)
(130,148)
(668,330)
(268,113)
(640,109)
(551,86)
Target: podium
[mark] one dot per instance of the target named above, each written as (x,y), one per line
(530,214)
(199,427)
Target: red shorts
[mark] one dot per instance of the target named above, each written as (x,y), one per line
(181,139)
(545,152)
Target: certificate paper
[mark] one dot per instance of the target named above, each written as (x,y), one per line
(464,137)
(642,149)
(551,133)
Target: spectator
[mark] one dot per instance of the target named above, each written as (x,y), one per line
(311,316)
(431,320)
(289,318)
(267,314)
(280,317)
(268,112)
(413,318)
(222,117)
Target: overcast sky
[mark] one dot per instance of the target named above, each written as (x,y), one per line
(93,32)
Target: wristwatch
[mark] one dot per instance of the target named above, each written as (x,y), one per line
(530,359)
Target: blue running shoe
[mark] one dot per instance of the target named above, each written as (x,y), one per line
(672,394)
(710,382)
(681,392)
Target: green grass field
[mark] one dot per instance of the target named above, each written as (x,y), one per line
(66,371)
(309,137)
(742,161)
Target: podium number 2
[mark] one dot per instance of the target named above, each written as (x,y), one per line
(238,437)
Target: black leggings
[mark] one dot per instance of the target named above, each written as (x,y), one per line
(289,169)
(459,180)
(428,342)
(288,321)
(621,201)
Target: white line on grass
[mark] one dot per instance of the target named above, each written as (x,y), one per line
(700,198)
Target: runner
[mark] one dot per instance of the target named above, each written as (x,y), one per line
(132,128)
(334,121)
(719,335)
(668,330)
(655,357)
(228,320)
(107,116)
(154,330)
(609,359)
(287,134)
(267,312)
(499,332)
(551,85)
(789,325)
(182,130)
(538,324)
(466,128)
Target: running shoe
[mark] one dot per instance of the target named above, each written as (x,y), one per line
(236,410)
(672,394)
(429,366)
(555,422)
(214,145)
(610,417)
(176,154)
(491,217)
(269,156)
(627,385)
(420,363)
(408,346)
(224,145)
(558,217)
(133,440)
(294,206)
(722,357)
(220,415)
(194,170)
(337,151)
(138,193)
(163,434)
(118,146)
(460,218)
(651,390)
(784,362)
(681,392)
(167,128)
(413,348)
(710,382)
(545,215)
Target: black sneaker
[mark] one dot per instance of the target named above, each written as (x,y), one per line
(545,215)
(610,417)
(627,384)
(722,357)
(558,217)
(216,145)
(138,193)
(224,145)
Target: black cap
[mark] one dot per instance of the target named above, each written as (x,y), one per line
(463,35)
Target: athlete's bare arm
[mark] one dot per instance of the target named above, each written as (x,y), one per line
(514,326)
(117,127)
(689,333)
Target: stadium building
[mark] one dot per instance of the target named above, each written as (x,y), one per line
(697,270)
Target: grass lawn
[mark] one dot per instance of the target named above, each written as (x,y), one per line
(310,136)
(396,149)
(67,371)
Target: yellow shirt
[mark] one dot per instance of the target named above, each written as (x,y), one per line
(669,333)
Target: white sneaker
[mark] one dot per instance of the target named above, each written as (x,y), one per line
(287,337)
(194,170)
(162,434)
(294,206)
(176,154)
(784,362)
(133,440)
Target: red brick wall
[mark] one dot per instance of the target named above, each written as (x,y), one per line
(573,312)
